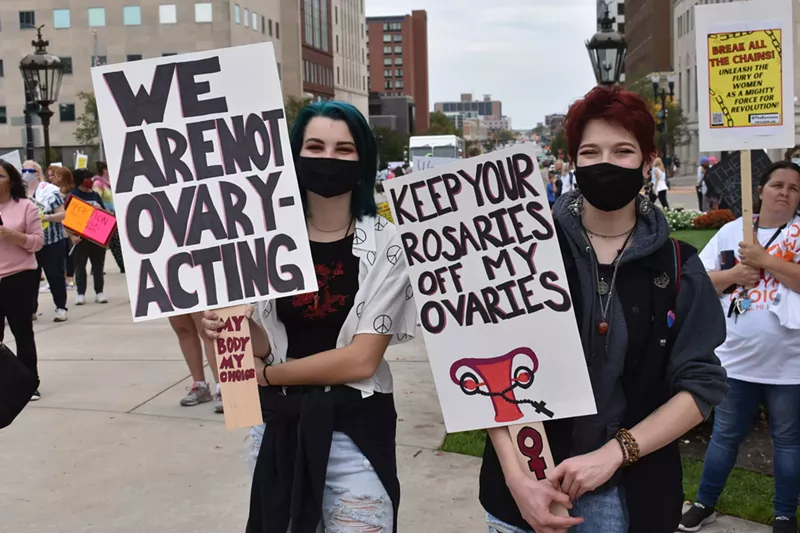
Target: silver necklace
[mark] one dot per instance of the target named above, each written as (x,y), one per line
(604,289)
(601,236)
(330,230)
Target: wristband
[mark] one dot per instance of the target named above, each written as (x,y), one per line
(264,373)
(630,448)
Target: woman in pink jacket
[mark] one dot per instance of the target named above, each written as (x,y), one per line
(21,236)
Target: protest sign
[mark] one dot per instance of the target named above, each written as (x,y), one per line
(725,178)
(237,373)
(492,291)
(89,222)
(204,184)
(13,158)
(427,162)
(745,75)
(81,160)
(385,211)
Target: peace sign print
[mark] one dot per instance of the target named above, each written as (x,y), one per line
(360,236)
(359,309)
(382,324)
(409,292)
(371,257)
(393,254)
(268,308)
(380,223)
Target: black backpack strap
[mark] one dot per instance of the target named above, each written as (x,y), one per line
(682,252)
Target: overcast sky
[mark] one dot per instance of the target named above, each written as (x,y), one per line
(529,54)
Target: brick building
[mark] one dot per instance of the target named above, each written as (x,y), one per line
(648,28)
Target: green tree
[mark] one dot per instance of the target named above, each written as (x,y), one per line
(677,133)
(293,106)
(442,125)
(506,136)
(391,144)
(559,142)
(88,127)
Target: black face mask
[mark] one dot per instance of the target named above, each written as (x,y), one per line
(609,187)
(328,177)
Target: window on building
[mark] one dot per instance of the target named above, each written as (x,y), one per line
(309,23)
(387,61)
(398,49)
(337,44)
(387,84)
(2,69)
(385,26)
(270,27)
(695,89)
(398,38)
(620,8)
(362,30)
(338,75)
(323,11)
(3,115)
(237,15)
(689,87)
(336,14)
(387,50)
(132,15)
(246,18)
(255,21)
(167,54)
(387,73)
(66,62)
(203,12)
(167,14)
(363,56)
(398,61)
(61,19)
(398,84)
(398,73)
(279,71)
(621,27)
(66,112)
(27,20)
(99,60)
(277,30)
(387,38)
(364,82)
(134,57)
(97,17)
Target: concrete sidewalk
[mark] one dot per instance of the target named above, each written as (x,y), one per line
(109,449)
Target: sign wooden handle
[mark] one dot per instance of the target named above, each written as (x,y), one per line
(534,455)
(237,372)
(747,196)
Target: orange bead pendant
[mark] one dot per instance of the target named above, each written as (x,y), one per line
(602,328)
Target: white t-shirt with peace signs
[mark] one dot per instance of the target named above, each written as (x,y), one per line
(384,303)
(757,348)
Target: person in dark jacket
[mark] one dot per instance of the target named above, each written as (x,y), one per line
(649,320)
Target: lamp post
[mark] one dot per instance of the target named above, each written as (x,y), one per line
(660,94)
(42,73)
(607,50)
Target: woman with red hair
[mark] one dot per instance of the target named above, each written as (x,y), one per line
(649,321)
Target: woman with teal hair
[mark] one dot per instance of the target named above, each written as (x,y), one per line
(327,448)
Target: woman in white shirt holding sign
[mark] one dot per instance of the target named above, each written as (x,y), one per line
(327,456)
(758,286)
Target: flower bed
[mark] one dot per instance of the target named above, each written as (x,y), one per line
(681,219)
(713,219)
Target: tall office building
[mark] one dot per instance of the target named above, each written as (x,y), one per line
(111,31)
(317,35)
(648,28)
(398,60)
(350,53)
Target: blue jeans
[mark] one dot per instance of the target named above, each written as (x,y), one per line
(733,420)
(603,512)
(354,497)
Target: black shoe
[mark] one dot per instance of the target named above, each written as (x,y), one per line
(36,396)
(696,517)
(784,524)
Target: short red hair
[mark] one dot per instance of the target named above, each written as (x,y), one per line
(617,106)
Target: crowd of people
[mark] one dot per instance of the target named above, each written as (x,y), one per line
(671,336)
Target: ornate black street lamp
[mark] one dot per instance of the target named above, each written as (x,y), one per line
(42,73)
(660,94)
(607,51)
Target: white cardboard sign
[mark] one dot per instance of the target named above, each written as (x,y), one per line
(205,189)
(492,292)
(13,158)
(745,75)
(427,162)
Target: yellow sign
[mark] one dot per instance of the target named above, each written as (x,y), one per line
(385,211)
(745,79)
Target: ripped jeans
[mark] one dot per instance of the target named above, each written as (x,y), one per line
(354,500)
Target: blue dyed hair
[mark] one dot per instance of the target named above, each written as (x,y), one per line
(363,200)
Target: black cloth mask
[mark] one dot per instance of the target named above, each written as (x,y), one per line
(609,187)
(328,177)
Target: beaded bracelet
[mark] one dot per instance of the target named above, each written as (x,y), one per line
(630,448)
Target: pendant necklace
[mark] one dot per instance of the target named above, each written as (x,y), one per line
(604,289)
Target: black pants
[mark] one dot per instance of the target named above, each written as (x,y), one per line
(116,251)
(16,306)
(662,197)
(84,252)
(700,199)
(51,260)
(69,262)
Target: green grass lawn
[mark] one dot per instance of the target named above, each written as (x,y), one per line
(747,495)
(696,237)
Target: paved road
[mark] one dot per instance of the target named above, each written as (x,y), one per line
(108,448)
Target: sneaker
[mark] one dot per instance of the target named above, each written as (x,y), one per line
(45,289)
(696,517)
(784,524)
(61,315)
(101,298)
(70,285)
(80,299)
(218,408)
(199,393)
(36,396)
